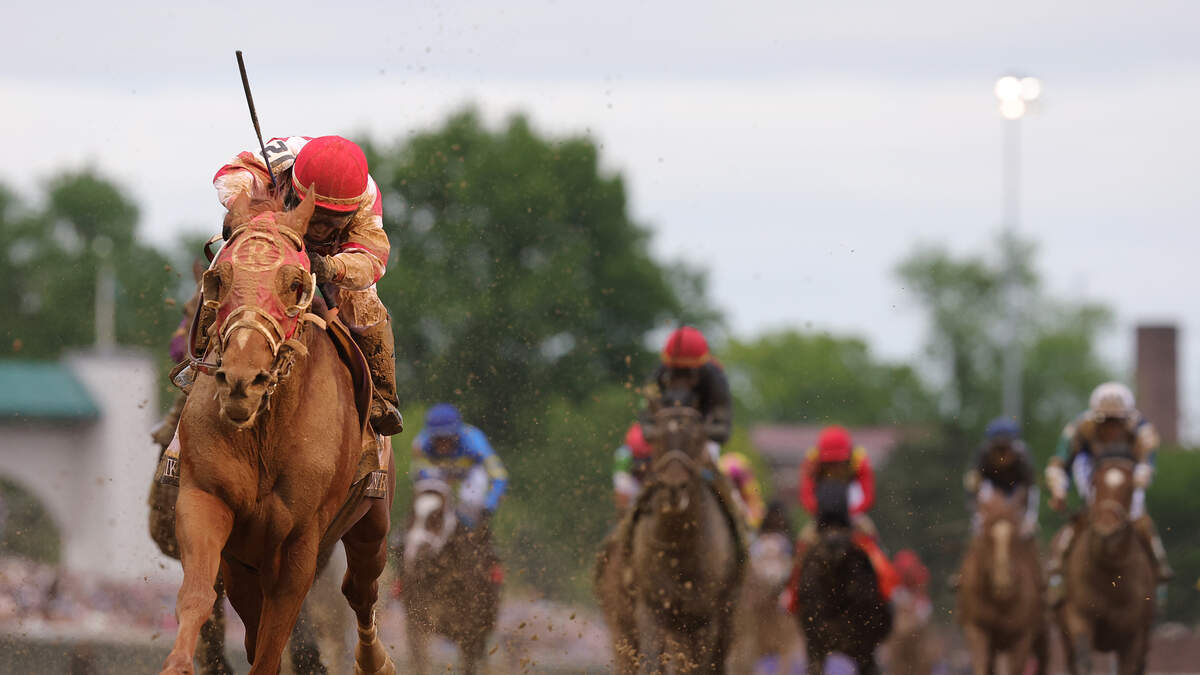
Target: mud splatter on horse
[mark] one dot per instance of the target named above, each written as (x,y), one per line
(450,581)
(271,441)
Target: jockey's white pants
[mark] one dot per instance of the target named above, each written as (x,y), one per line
(1081,473)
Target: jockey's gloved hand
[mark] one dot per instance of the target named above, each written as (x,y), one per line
(322,266)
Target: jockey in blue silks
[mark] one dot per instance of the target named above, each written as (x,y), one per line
(458,453)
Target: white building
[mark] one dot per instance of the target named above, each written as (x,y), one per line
(75,433)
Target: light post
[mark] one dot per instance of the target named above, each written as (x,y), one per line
(1016,95)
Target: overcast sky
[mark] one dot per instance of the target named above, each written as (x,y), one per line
(797,150)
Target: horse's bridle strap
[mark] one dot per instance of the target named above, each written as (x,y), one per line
(676,456)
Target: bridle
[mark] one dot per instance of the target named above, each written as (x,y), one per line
(669,422)
(285,344)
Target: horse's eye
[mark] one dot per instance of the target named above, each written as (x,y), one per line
(295,287)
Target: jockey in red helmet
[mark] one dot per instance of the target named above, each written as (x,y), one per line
(345,240)
(689,371)
(836,457)
(631,461)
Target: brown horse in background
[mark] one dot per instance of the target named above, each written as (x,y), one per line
(1001,603)
(450,581)
(761,628)
(840,607)
(1109,578)
(669,578)
(270,443)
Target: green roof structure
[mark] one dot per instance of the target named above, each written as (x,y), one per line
(43,390)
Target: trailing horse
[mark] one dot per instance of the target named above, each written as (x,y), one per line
(840,606)
(272,438)
(450,580)
(762,630)
(1000,596)
(1109,578)
(668,579)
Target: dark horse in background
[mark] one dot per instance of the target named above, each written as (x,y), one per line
(1109,576)
(840,607)
(450,579)
(669,577)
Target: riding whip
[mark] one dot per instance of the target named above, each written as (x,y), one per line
(254,117)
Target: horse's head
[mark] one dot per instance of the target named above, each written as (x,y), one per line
(1112,494)
(257,288)
(678,438)
(1000,516)
(431,523)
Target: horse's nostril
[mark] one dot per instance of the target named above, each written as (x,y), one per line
(261,379)
(221,378)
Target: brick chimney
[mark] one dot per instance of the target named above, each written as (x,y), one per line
(1157,378)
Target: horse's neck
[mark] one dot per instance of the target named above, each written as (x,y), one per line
(685,526)
(1109,552)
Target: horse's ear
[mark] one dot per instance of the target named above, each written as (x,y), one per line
(300,215)
(239,211)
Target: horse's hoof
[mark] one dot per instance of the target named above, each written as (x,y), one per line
(177,664)
(370,658)
(388,668)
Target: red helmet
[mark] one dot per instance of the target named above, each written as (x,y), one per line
(636,441)
(833,445)
(686,348)
(337,170)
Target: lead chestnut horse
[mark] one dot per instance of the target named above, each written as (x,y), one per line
(270,444)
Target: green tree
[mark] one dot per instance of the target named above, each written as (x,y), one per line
(53,255)
(517,274)
(817,378)
(522,291)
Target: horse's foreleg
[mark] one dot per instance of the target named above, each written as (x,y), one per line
(203,523)
(284,585)
(212,637)
(1131,659)
(1018,655)
(979,647)
(366,556)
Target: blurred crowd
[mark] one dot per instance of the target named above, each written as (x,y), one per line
(33,594)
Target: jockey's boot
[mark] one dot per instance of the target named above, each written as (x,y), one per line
(1148,534)
(379,347)
(1059,545)
(165,431)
